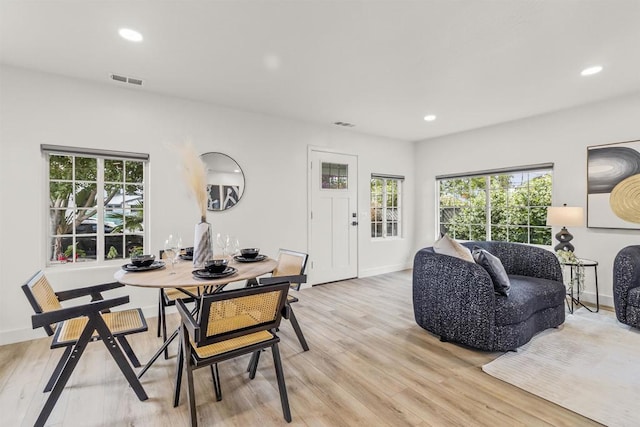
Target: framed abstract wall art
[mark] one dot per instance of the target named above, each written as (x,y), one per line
(613,185)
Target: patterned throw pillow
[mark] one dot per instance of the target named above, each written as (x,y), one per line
(493,265)
(445,245)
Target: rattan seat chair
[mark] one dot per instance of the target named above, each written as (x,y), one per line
(230,324)
(74,327)
(167,298)
(291,266)
(292,263)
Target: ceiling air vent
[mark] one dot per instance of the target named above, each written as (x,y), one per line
(123,79)
(118,78)
(345,124)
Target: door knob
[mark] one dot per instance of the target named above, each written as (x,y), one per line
(354,222)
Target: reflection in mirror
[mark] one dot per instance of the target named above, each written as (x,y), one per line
(225,181)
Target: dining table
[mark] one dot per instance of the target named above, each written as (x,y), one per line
(182,275)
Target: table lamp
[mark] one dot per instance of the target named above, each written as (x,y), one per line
(565,216)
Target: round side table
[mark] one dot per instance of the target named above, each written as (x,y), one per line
(575,297)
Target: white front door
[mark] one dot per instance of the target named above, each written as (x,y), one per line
(333,225)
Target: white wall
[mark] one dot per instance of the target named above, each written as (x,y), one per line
(561,138)
(38,108)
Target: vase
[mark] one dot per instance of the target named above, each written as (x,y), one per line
(202,244)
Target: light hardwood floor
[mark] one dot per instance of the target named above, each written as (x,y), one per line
(369,365)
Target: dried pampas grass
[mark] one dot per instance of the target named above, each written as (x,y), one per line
(195,176)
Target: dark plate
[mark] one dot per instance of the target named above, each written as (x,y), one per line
(240,258)
(156,265)
(204,274)
(186,257)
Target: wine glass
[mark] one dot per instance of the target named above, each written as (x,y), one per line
(222,241)
(172,247)
(234,246)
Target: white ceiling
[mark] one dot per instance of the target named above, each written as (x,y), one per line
(381,65)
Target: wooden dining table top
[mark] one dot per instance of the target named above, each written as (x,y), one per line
(183,277)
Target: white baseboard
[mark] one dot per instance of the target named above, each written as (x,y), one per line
(590,297)
(384,269)
(19,335)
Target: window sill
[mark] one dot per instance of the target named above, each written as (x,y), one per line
(386,239)
(89,265)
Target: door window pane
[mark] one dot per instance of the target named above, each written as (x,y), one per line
(335,176)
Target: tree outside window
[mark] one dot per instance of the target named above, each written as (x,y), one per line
(96,208)
(509,207)
(386,218)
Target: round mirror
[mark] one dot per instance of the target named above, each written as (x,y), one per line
(225,181)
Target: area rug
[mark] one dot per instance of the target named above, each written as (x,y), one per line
(590,365)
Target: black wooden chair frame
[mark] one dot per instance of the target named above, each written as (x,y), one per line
(193,333)
(96,295)
(163,302)
(288,310)
(94,329)
(287,313)
(72,354)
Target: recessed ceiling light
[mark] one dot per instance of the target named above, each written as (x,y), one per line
(429,118)
(129,34)
(591,70)
(272,62)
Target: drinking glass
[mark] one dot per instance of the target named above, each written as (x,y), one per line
(172,247)
(234,247)
(223,242)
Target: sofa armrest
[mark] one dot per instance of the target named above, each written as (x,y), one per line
(453,298)
(626,276)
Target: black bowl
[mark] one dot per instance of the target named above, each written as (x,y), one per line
(142,260)
(250,252)
(216,265)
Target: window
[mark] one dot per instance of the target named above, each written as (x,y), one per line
(506,205)
(335,176)
(96,204)
(386,206)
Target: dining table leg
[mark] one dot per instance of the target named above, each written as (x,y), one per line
(158,353)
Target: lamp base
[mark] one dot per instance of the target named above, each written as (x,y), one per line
(564,237)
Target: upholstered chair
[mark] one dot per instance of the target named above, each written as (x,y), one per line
(457,299)
(626,285)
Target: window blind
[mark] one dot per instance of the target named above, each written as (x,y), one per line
(46,148)
(385,176)
(500,171)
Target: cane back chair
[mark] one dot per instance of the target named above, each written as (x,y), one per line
(230,324)
(292,263)
(167,298)
(291,266)
(74,327)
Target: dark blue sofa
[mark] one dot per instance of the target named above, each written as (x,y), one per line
(455,299)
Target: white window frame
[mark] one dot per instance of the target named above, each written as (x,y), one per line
(487,174)
(100,156)
(400,180)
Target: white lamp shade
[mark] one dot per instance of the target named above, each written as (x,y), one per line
(565,216)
